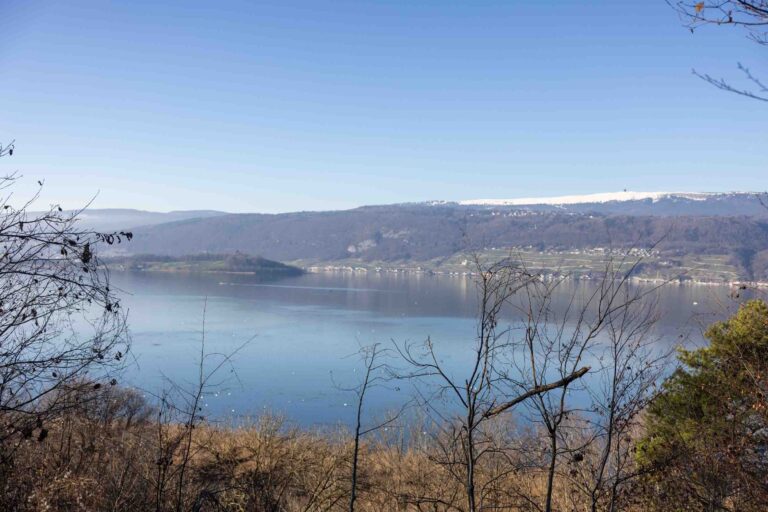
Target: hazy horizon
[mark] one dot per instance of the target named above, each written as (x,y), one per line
(597,197)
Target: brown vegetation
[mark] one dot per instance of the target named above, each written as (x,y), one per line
(104,454)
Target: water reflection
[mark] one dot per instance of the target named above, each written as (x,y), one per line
(303,328)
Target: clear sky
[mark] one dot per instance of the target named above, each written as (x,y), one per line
(304,105)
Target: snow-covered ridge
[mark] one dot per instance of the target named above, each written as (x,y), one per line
(592,198)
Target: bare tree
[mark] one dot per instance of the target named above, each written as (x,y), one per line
(376,373)
(179,415)
(751,15)
(482,394)
(560,338)
(61,326)
(632,365)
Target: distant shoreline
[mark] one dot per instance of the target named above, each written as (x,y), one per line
(635,279)
(653,270)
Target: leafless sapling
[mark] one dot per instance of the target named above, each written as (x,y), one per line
(462,406)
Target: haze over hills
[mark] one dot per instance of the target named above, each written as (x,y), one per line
(620,203)
(115,219)
(730,226)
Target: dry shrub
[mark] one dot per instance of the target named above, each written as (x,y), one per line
(103,454)
(268,467)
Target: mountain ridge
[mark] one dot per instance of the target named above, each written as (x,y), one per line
(603,197)
(624,202)
(732,228)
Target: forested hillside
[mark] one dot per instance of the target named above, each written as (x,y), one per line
(414,233)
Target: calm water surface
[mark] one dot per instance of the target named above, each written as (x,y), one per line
(300,333)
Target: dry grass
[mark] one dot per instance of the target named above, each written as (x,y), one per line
(110,454)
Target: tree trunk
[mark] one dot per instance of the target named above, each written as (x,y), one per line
(551,472)
(470,485)
(353,493)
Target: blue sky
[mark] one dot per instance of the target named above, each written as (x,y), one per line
(306,105)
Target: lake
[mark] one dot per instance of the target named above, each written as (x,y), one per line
(296,338)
